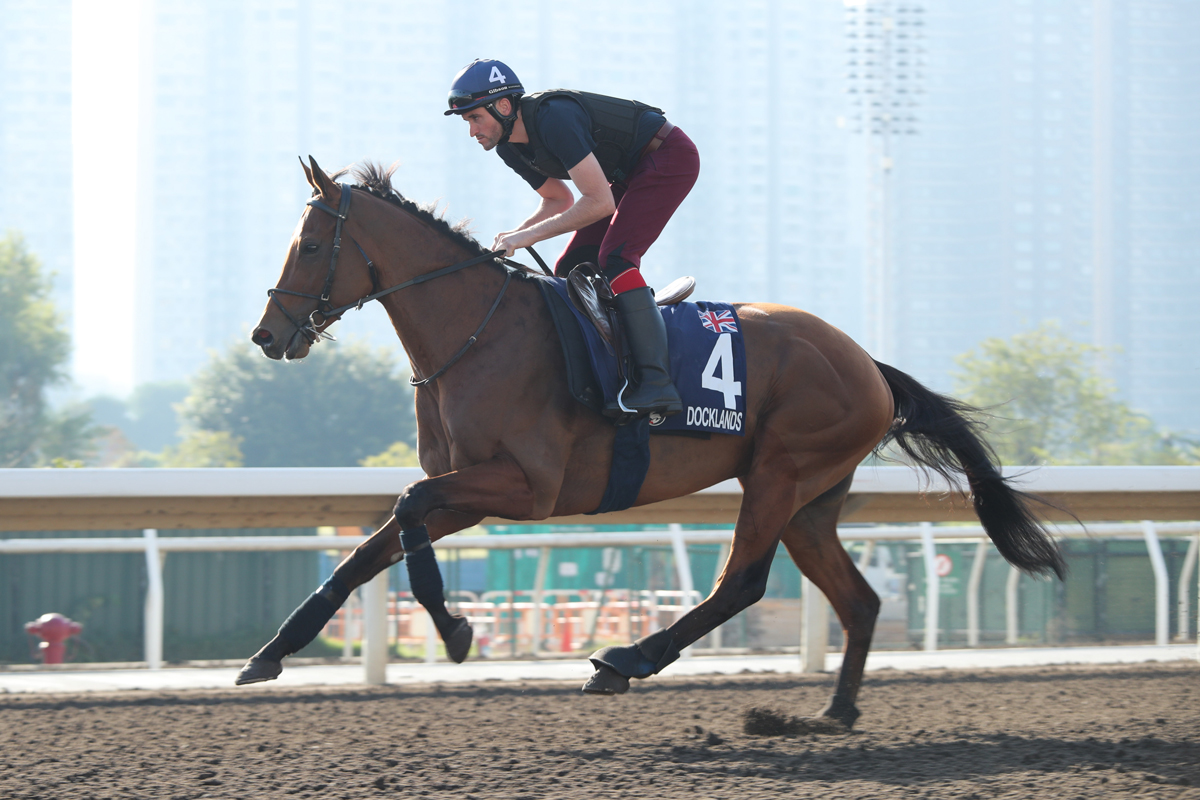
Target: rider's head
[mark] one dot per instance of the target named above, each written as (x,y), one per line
(477,88)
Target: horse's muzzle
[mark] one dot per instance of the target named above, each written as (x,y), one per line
(271,347)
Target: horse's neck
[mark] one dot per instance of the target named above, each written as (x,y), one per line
(434,319)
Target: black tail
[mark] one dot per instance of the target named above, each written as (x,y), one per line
(942,433)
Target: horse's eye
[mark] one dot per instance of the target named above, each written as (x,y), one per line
(309,249)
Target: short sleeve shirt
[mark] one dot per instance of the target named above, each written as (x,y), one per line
(566,131)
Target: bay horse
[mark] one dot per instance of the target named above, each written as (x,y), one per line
(501,435)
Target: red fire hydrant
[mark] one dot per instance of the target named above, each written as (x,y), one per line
(54,630)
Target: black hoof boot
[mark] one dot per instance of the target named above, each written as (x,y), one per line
(458,640)
(616,665)
(606,680)
(257,670)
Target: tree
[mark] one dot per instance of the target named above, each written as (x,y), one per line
(147,418)
(341,404)
(204,449)
(398,455)
(33,358)
(1051,404)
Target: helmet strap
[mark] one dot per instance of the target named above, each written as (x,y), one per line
(506,122)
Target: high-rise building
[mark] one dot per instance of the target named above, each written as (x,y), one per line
(239,89)
(35,134)
(1053,178)
(1047,172)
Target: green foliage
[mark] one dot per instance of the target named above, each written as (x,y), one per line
(147,419)
(1053,406)
(33,359)
(398,455)
(203,448)
(334,408)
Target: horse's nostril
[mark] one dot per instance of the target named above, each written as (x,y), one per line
(262,337)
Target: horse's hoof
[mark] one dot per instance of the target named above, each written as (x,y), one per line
(257,670)
(458,643)
(606,680)
(840,711)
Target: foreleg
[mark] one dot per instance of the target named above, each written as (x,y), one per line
(381,550)
(497,487)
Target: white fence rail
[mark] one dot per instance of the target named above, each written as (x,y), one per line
(814,630)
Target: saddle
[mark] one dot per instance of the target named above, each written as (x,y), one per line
(592,296)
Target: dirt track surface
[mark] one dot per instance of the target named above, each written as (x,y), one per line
(1034,733)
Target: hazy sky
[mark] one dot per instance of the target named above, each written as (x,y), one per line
(104,131)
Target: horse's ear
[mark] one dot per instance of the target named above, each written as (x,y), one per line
(320,181)
(307,173)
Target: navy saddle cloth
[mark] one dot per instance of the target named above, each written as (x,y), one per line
(708,367)
(708,362)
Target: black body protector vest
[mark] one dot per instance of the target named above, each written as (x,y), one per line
(614,127)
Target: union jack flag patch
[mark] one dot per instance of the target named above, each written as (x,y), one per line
(718,321)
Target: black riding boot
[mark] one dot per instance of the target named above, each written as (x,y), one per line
(651,389)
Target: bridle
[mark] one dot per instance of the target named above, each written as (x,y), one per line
(310,329)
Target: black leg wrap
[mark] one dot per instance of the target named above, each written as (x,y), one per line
(423,572)
(306,622)
(335,591)
(426,581)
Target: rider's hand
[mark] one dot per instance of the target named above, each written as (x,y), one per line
(512,241)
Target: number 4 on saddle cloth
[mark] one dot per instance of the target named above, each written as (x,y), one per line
(708,366)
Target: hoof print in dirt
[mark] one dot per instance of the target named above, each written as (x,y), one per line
(767,722)
(258,670)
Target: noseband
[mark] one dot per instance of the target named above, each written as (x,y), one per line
(310,330)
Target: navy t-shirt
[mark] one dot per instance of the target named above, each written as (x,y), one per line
(566,130)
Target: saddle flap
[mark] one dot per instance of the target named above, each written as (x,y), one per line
(592,295)
(676,291)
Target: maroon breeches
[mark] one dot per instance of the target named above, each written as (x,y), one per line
(647,199)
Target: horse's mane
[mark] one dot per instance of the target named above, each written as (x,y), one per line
(376,179)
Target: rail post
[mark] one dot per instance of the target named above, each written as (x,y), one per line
(1185,577)
(154,600)
(1011,611)
(814,627)
(716,638)
(431,635)
(375,629)
(932,586)
(864,558)
(683,566)
(973,584)
(1162,588)
(539,590)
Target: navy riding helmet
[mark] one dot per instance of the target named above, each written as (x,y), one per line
(482,83)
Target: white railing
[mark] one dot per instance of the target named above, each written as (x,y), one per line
(814,631)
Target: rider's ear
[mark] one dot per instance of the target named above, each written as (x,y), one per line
(307,173)
(506,109)
(319,180)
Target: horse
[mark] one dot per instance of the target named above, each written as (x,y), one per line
(500,435)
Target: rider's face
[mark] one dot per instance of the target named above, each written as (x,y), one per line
(483,128)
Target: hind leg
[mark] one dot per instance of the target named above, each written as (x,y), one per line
(811,540)
(768,503)
(377,553)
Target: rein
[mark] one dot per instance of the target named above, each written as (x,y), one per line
(311,328)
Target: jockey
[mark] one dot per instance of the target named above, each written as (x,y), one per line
(632,169)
